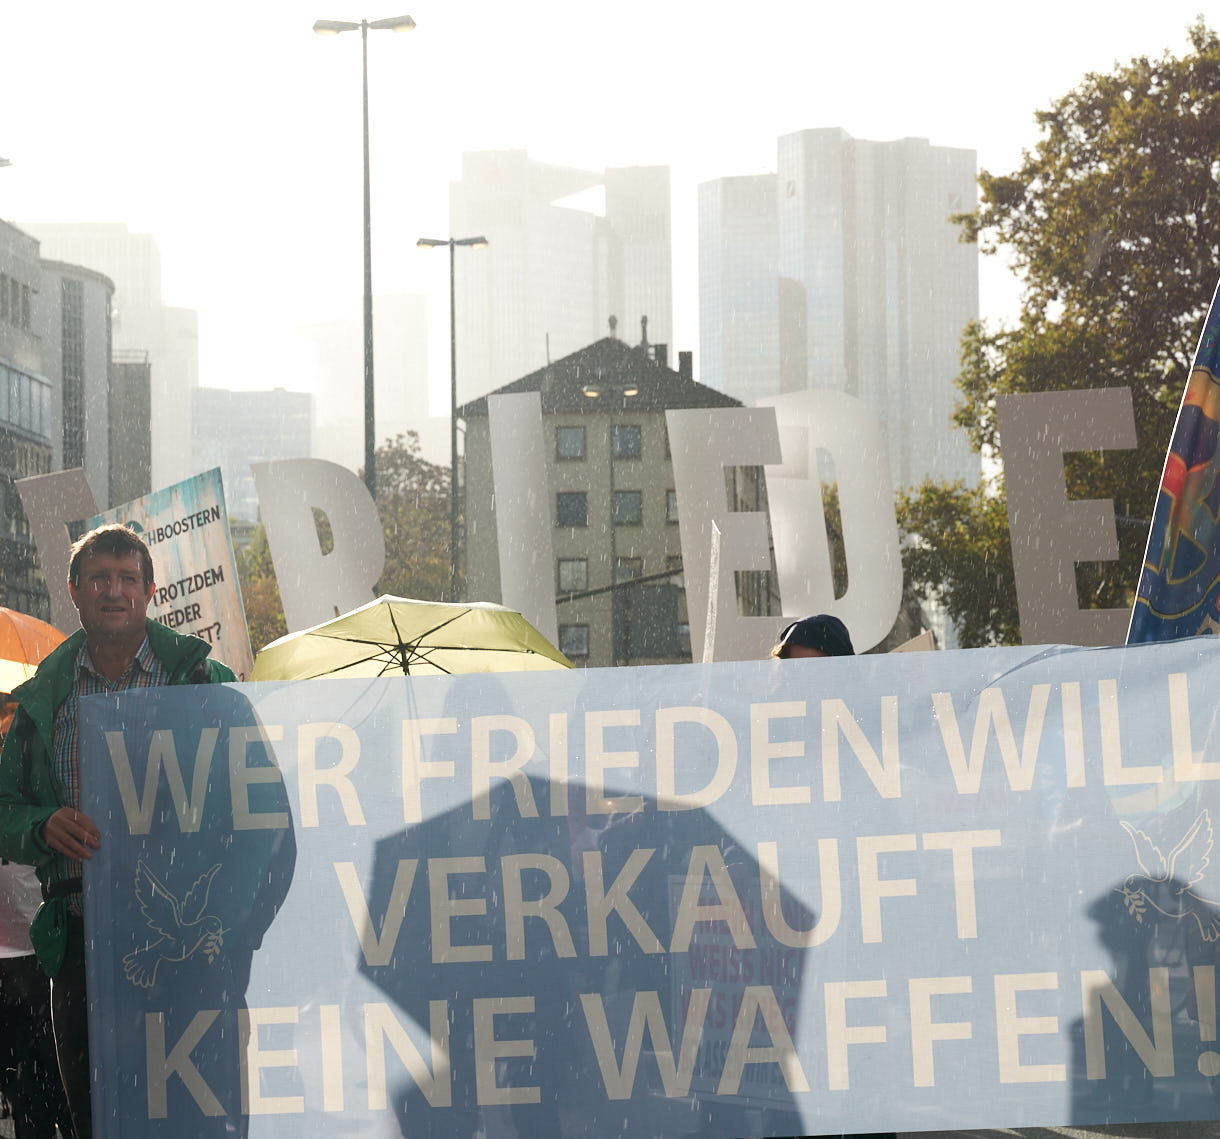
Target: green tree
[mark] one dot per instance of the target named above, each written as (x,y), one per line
(259,592)
(1112,222)
(413,504)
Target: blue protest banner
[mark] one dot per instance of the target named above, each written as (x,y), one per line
(912,892)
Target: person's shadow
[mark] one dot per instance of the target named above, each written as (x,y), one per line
(181,932)
(591,976)
(1156,924)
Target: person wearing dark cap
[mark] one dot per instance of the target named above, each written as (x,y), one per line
(818,636)
(821,635)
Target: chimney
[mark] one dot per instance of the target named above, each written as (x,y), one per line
(686,365)
(660,353)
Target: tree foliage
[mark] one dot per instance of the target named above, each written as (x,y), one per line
(970,559)
(413,503)
(259,592)
(1112,221)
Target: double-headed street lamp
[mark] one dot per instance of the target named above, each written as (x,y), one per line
(453,243)
(333,28)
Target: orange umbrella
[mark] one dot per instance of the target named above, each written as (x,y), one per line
(24,641)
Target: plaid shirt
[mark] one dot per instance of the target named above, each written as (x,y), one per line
(145,671)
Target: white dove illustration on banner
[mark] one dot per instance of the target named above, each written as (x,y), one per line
(1166,882)
(182,927)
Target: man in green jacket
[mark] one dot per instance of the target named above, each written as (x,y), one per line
(110,579)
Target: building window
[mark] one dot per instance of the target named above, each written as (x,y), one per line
(628,507)
(569,442)
(626,441)
(573,574)
(628,569)
(671,506)
(3,296)
(25,306)
(574,641)
(571,508)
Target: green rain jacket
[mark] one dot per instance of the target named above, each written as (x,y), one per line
(29,792)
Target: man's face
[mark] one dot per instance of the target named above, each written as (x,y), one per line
(110,595)
(797,651)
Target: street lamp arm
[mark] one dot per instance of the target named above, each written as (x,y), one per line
(334,27)
(393,24)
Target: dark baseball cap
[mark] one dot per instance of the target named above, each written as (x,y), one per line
(822,631)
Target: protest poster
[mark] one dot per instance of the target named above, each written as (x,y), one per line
(905,892)
(186,527)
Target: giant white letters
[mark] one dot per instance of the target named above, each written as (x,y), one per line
(702,443)
(844,428)
(1049,533)
(523,519)
(315,586)
(50,502)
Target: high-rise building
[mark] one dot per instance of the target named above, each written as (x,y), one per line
(26,419)
(232,429)
(400,347)
(59,403)
(739,286)
(130,416)
(72,316)
(558,263)
(872,287)
(141,322)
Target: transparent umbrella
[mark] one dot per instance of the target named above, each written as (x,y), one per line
(396,635)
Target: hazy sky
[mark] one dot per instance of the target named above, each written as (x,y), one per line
(232,133)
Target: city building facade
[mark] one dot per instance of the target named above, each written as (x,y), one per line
(130,420)
(232,429)
(611,499)
(871,289)
(141,322)
(26,423)
(72,318)
(565,249)
(739,325)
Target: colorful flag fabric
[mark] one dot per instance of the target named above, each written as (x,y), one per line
(1179,589)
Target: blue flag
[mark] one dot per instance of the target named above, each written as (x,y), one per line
(1179,589)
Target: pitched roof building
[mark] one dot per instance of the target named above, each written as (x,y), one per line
(611,498)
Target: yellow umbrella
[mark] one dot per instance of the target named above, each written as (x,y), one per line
(396,635)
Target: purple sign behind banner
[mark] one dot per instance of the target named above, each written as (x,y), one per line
(912,892)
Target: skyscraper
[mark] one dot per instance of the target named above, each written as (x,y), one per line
(739,286)
(871,292)
(400,345)
(557,266)
(141,323)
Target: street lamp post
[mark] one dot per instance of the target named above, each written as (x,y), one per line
(453,243)
(333,28)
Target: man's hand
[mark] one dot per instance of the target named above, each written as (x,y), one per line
(72,833)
